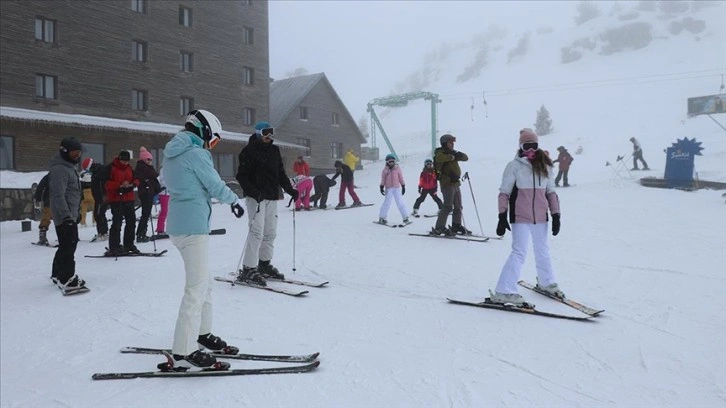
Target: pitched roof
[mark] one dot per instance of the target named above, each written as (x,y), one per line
(286,95)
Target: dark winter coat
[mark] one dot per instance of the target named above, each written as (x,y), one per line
(42,192)
(148,179)
(446,163)
(344,171)
(98,179)
(65,191)
(261,173)
(564,159)
(120,172)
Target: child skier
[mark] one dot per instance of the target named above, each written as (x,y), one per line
(304,187)
(427,185)
(393,187)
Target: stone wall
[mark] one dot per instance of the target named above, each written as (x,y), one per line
(16,204)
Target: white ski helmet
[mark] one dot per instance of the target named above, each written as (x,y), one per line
(210,128)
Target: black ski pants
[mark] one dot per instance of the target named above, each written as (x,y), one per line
(562,174)
(422,197)
(64,261)
(122,211)
(147,201)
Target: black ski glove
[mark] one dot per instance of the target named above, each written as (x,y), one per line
(294,194)
(383,192)
(555,224)
(237,209)
(403,190)
(503,224)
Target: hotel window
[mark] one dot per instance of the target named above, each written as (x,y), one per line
(303,113)
(336,150)
(249,116)
(186,61)
(44,30)
(94,151)
(306,143)
(7,150)
(185,16)
(139,100)
(248,35)
(138,6)
(45,86)
(335,119)
(138,50)
(186,105)
(249,76)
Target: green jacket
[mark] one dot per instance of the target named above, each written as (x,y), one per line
(446,163)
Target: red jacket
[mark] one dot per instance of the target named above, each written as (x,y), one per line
(427,180)
(120,172)
(301,169)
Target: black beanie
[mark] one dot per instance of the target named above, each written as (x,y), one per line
(124,155)
(70,144)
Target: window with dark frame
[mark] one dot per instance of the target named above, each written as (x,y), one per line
(138,50)
(336,150)
(306,143)
(139,100)
(158,158)
(186,61)
(250,114)
(46,86)
(249,76)
(186,105)
(44,30)
(138,6)
(335,119)
(96,151)
(303,113)
(7,153)
(224,164)
(248,35)
(185,16)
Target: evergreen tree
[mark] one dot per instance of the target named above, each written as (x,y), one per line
(543,126)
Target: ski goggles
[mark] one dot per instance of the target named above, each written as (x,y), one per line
(391,161)
(267,132)
(529,146)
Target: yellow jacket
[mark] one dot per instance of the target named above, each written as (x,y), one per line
(351,159)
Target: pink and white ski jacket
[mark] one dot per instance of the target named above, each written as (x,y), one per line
(526,195)
(392,177)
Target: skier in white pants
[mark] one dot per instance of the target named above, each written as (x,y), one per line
(528,192)
(393,187)
(192,181)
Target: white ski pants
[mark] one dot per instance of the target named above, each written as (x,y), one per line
(520,241)
(393,193)
(195,311)
(262,233)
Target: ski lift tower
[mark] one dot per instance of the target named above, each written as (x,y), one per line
(397,101)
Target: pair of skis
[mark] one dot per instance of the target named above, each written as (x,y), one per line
(530,309)
(470,238)
(281,291)
(353,206)
(304,363)
(401,225)
(130,254)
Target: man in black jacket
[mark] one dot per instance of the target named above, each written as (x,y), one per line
(261,175)
(322,185)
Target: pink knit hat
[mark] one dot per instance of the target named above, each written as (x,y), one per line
(527,135)
(144,154)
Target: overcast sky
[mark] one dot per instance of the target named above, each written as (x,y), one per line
(364,47)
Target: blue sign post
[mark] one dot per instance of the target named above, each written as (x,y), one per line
(679,162)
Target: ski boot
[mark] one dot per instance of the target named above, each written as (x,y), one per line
(356,204)
(42,238)
(459,229)
(216,344)
(142,238)
(340,205)
(406,221)
(251,276)
(415,213)
(114,252)
(441,231)
(382,221)
(514,299)
(73,283)
(268,271)
(198,359)
(552,289)
(131,249)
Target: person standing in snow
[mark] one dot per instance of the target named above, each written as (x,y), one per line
(347,183)
(351,160)
(446,163)
(42,195)
(163,203)
(148,188)
(393,187)
(527,192)
(65,204)
(120,192)
(301,167)
(99,173)
(564,158)
(87,202)
(638,155)
(192,182)
(427,186)
(261,175)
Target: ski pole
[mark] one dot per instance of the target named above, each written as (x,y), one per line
(249,231)
(293,240)
(476,208)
